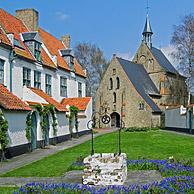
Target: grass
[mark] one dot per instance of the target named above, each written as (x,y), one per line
(8,190)
(151,145)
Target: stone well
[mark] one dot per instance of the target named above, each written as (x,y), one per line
(105,169)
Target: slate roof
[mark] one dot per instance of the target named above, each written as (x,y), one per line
(163,61)
(81,102)
(11,102)
(141,81)
(49,99)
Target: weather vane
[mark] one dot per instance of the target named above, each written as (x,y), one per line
(147,8)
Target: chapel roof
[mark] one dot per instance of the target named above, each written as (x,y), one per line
(141,82)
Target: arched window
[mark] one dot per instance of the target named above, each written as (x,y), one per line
(117,83)
(114,98)
(110,84)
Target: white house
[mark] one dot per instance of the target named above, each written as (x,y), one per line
(39,69)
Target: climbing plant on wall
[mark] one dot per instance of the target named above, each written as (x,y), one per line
(53,113)
(43,111)
(28,127)
(3,135)
(74,114)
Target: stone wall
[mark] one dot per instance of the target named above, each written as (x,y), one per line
(127,102)
(172,87)
(105,169)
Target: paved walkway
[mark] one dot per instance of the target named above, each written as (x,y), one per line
(178,132)
(139,177)
(38,154)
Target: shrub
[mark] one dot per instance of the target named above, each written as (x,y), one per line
(140,129)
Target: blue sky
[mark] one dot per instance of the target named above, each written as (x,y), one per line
(114,25)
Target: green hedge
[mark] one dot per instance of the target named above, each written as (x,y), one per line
(141,129)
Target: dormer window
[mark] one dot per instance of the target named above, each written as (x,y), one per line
(68,55)
(33,42)
(37,51)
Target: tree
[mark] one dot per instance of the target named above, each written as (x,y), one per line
(92,59)
(183,40)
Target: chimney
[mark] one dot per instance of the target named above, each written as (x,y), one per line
(66,39)
(29,17)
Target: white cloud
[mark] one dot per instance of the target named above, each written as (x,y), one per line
(61,16)
(127,55)
(168,50)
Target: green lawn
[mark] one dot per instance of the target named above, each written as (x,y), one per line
(8,190)
(151,145)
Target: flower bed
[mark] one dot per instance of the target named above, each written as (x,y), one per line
(178,178)
(165,167)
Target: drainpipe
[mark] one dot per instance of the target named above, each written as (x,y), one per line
(12,56)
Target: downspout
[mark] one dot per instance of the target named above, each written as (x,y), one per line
(12,56)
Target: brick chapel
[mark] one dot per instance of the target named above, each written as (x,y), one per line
(138,91)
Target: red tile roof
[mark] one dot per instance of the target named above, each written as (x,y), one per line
(11,24)
(54,45)
(49,99)
(3,38)
(47,60)
(11,102)
(81,102)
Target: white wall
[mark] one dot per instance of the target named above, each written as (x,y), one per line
(174,119)
(63,124)
(83,121)
(17,124)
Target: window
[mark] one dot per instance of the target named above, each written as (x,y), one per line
(2,71)
(123,98)
(79,89)
(48,83)
(114,71)
(37,79)
(114,98)
(117,83)
(63,86)
(26,77)
(141,106)
(37,51)
(110,84)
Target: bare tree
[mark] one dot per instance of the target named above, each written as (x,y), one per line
(183,40)
(93,60)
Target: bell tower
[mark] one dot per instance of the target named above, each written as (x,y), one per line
(147,33)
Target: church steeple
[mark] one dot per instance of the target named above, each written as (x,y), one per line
(147,33)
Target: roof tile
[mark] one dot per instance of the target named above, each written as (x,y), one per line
(11,24)
(81,102)
(11,102)
(49,99)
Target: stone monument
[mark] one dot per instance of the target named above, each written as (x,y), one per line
(105,168)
